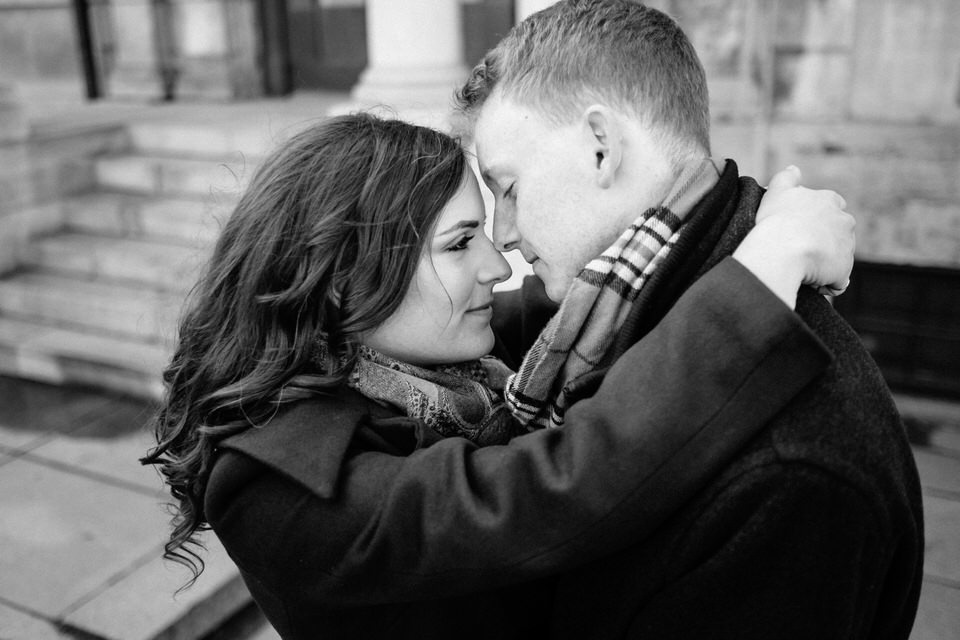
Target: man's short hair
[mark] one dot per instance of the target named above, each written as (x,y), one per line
(619,52)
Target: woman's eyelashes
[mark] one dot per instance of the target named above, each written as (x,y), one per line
(511,191)
(461,244)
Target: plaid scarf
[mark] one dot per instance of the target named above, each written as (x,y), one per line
(454,400)
(575,341)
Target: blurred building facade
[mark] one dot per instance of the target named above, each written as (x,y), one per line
(863,95)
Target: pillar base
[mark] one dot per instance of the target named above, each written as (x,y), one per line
(409,87)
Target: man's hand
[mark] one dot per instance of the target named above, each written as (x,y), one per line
(802,236)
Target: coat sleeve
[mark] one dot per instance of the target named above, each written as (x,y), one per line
(453,518)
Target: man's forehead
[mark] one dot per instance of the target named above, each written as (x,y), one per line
(496,129)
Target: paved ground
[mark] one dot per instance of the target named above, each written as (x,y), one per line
(82,526)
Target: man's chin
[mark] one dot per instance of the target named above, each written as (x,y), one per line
(555,288)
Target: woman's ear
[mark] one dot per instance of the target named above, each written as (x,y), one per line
(606,141)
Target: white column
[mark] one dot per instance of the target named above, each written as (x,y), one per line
(523,8)
(414,53)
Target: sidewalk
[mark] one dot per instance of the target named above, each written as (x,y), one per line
(82,526)
(934,429)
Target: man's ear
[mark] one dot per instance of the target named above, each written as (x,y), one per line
(606,142)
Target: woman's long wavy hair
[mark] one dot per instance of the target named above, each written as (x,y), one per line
(325,241)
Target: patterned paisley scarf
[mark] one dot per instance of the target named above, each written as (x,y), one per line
(575,341)
(463,399)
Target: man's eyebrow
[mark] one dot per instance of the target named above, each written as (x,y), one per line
(463,224)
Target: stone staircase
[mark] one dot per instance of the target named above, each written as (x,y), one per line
(96,301)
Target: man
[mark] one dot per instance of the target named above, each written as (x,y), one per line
(591,127)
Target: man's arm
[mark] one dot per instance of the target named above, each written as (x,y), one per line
(454,518)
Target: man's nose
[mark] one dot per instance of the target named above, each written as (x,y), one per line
(505,234)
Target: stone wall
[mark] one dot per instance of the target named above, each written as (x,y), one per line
(863,95)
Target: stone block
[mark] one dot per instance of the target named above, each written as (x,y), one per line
(101,213)
(52,180)
(16,192)
(209,140)
(172,267)
(933,231)
(196,221)
(941,523)
(124,355)
(174,176)
(938,616)
(182,139)
(266,633)
(161,265)
(127,173)
(204,177)
(816,24)
(15,335)
(32,413)
(57,545)
(885,140)
(142,605)
(905,61)
(193,221)
(108,446)
(16,624)
(110,376)
(947,438)
(13,124)
(110,309)
(937,471)
(812,85)
(18,227)
(61,356)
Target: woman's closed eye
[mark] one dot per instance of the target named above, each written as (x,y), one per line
(511,192)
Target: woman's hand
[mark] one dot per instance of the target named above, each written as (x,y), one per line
(802,236)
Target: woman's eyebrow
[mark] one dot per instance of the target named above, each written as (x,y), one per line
(463,224)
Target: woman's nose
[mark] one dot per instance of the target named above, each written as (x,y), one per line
(495,268)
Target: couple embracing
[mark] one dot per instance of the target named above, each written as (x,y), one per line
(666,433)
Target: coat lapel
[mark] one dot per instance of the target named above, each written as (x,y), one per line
(307,441)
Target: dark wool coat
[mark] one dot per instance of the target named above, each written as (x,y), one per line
(349,521)
(814,531)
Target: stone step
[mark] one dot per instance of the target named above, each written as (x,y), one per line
(154,264)
(196,221)
(202,139)
(66,356)
(115,309)
(175,176)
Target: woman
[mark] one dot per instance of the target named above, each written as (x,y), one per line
(329,411)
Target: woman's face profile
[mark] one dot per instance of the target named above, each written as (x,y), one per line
(445,314)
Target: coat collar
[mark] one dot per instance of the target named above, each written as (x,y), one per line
(708,235)
(307,440)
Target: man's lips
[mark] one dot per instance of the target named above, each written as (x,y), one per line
(483,307)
